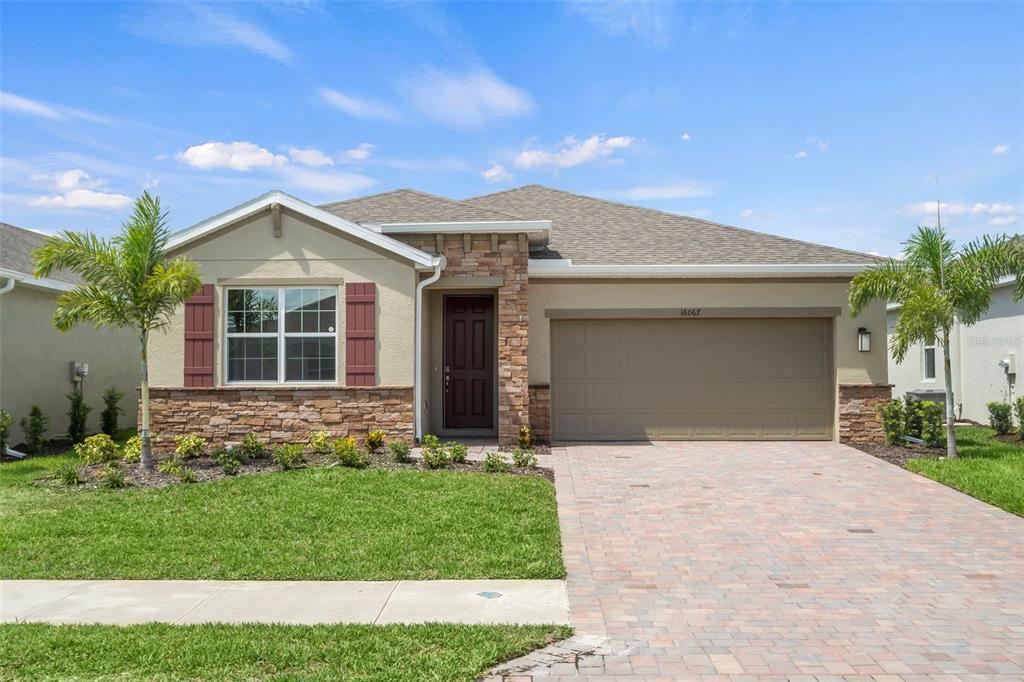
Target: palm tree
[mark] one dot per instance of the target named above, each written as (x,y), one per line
(129,282)
(936,286)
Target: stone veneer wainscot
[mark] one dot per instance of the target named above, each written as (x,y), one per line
(858,412)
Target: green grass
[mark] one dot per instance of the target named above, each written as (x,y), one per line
(311,524)
(392,653)
(988,469)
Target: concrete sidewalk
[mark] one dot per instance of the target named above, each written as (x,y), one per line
(125,602)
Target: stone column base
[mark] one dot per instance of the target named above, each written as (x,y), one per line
(858,412)
(540,413)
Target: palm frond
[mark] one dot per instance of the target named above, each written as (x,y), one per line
(91,303)
(91,257)
(886,281)
(928,250)
(979,267)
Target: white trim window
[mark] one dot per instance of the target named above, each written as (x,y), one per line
(928,361)
(256,341)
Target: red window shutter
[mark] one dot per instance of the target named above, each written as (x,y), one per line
(199,338)
(360,334)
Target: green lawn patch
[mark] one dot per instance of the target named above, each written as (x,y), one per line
(392,653)
(310,524)
(988,469)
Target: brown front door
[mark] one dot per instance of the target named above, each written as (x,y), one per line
(469,362)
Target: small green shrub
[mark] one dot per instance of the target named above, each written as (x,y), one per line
(931,422)
(348,454)
(457,452)
(111,411)
(67,473)
(1018,408)
(96,449)
(494,463)
(375,440)
(524,459)
(436,457)
(170,466)
(112,476)
(525,437)
(5,430)
(343,447)
(78,415)
(186,474)
(288,456)
(229,465)
(250,447)
(188,446)
(999,417)
(913,417)
(320,442)
(893,415)
(34,426)
(131,453)
(400,451)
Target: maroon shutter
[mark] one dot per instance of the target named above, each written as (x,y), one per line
(199,338)
(360,335)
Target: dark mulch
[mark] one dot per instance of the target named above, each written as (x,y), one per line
(899,455)
(1013,437)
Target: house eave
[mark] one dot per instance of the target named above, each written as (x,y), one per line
(27,279)
(545,268)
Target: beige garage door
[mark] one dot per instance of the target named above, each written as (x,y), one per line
(734,379)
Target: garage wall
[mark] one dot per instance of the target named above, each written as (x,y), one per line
(852,367)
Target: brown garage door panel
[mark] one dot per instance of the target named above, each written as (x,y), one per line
(742,379)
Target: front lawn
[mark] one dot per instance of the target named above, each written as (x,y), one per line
(988,469)
(392,653)
(309,524)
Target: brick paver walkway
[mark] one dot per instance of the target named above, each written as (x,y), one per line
(787,561)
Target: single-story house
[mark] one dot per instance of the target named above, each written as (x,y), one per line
(37,362)
(581,318)
(985,358)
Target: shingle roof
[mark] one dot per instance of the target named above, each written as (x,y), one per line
(596,231)
(16,247)
(410,206)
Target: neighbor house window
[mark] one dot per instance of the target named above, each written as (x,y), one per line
(260,348)
(929,360)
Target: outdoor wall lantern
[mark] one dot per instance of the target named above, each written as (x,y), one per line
(863,340)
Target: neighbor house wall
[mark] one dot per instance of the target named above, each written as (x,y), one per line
(35,359)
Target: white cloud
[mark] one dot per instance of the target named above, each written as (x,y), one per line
(821,144)
(573,152)
(310,157)
(683,189)
(239,156)
(357,154)
(1004,221)
(801,155)
(1000,149)
(958,209)
(748,213)
(648,21)
(465,100)
(685,137)
(333,183)
(993,208)
(23,105)
(496,173)
(358,107)
(77,189)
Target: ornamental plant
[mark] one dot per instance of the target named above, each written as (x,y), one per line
(524,459)
(457,452)
(78,414)
(931,422)
(67,473)
(893,415)
(400,451)
(112,475)
(999,417)
(288,456)
(131,453)
(375,440)
(34,427)
(5,430)
(188,446)
(494,463)
(320,442)
(525,437)
(96,449)
(111,411)
(249,448)
(1018,408)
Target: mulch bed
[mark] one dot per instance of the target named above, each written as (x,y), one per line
(1013,437)
(899,455)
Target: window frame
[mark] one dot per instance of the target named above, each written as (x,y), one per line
(281,335)
(925,347)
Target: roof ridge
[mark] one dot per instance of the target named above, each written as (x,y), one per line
(680,215)
(429,195)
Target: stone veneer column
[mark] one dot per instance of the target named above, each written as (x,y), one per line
(540,413)
(858,412)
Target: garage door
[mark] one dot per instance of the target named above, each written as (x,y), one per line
(733,379)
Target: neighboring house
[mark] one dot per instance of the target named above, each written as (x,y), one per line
(975,354)
(36,359)
(582,318)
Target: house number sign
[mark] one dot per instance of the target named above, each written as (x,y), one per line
(689,312)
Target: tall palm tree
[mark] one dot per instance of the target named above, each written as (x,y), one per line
(935,286)
(129,282)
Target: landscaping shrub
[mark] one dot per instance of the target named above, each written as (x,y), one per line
(67,473)
(228,464)
(400,451)
(494,463)
(78,414)
(132,451)
(289,456)
(893,416)
(375,440)
(111,411)
(96,449)
(525,437)
(1018,408)
(250,447)
(435,456)
(34,426)
(932,431)
(999,417)
(174,467)
(526,459)
(320,442)
(186,474)
(189,445)
(5,430)
(457,452)
(913,418)
(112,476)
(348,454)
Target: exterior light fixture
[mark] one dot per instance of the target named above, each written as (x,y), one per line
(863,340)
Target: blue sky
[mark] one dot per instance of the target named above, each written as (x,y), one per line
(822,121)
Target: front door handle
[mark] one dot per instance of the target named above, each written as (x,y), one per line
(447,377)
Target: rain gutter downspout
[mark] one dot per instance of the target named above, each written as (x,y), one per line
(418,357)
(3,290)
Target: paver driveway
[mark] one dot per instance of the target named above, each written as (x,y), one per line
(788,561)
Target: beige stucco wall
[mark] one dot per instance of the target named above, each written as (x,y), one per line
(304,254)
(975,353)
(852,367)
(35,360)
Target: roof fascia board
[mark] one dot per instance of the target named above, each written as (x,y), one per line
(565,268)
(468,227)
(27,279)
(265,201)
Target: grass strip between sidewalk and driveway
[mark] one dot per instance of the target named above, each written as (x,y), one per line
(388,653)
